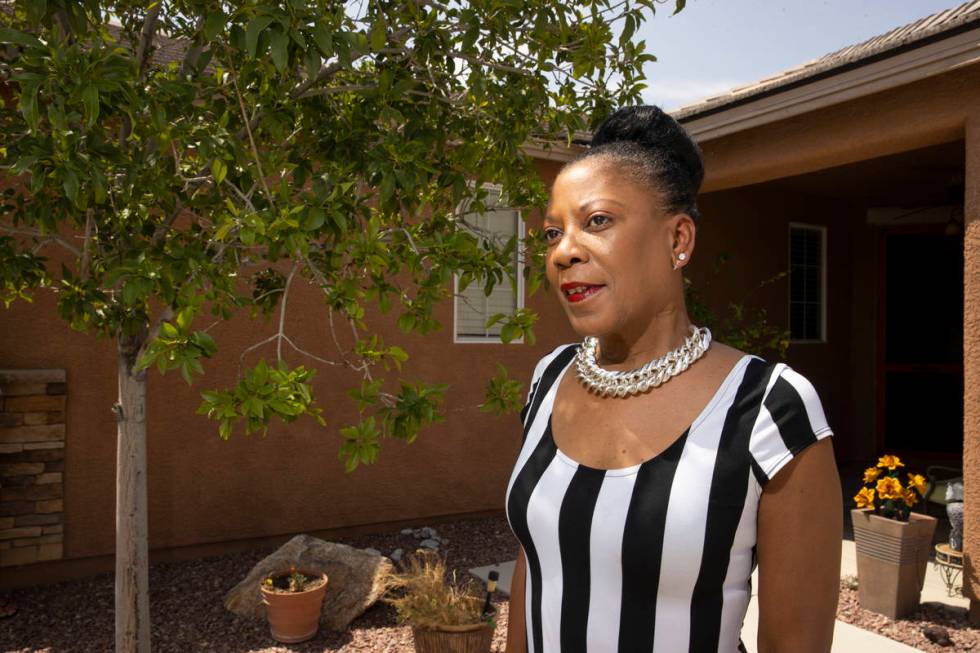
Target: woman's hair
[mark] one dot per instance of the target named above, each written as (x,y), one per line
(653,147)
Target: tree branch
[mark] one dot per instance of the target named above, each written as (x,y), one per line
(86,245)
(165,316)
(48,237)
(282,310)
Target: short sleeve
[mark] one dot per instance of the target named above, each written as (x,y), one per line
(790,419)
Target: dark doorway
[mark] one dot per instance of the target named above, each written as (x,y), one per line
(920,342)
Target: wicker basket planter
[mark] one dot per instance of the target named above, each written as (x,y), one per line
(891,559)
(471,638)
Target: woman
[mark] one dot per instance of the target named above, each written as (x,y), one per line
(642,503)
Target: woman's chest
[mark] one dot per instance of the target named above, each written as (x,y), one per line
(639,521)
(614,433)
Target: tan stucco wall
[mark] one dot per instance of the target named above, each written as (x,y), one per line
(202,489)
(752,225)
(916,115)
(971,365)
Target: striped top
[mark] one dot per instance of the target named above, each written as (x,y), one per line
(657,556)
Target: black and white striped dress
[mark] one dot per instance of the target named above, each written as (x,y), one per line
(658,556)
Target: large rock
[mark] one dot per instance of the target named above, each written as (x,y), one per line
(355,579)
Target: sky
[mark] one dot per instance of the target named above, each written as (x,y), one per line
(714,45)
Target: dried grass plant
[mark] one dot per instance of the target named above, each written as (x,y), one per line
(428,598)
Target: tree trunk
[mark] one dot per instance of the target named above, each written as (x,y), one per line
(132,564)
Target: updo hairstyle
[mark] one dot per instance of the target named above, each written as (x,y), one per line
(653,147)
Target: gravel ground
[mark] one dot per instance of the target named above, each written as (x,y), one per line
(910,629)
(188,615)
(187,612)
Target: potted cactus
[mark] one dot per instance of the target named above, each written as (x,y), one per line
(293,600)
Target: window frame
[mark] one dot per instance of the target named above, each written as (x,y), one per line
(822,230)
(493,339)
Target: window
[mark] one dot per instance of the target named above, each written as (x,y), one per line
(472,307)
(807,283)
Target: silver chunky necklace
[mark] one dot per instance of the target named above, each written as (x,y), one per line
(651,375)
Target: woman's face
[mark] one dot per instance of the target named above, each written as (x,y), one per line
(611,248)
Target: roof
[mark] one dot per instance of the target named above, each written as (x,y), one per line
(925,30)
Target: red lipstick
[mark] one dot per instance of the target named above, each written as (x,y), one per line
(576,291)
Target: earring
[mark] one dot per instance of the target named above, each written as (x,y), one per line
(681,257)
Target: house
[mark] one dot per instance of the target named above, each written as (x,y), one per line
(858,173)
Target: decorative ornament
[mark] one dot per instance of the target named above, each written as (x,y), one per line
(655,373)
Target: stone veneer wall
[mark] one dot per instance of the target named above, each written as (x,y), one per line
(32,463)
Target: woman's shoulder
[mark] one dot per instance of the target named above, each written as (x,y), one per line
(790,418)
(558,357)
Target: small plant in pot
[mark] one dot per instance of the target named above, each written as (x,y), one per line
(293,600)
(447,615)
(892,542)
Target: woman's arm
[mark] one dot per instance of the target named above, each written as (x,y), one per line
(515,612)
(798,549)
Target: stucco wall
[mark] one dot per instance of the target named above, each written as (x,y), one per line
(752,225)
(971,366)
(916,115)
(202,489)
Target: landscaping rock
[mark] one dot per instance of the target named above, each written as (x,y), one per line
(408,531)
(429,544)
(937,635)
(397,554)
(372,551)
(355,579)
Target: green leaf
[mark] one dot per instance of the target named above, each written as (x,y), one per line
(184,318)
(255,28)
(223,230)
(379,34)
(629,27)
(324,39)
(406,322)
(279,43)
(70,184)
(315,218)
(90,98)
(679,5)
(8,35)
(220,170)
(213,24)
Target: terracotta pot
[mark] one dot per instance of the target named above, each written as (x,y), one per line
(294,617)
(471,638)
(891,560)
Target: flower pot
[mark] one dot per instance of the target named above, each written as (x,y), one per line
(891,560)
(471,638)
(294,616)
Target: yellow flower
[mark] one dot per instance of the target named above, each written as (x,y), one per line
(871,473)
(891,462)
(865,498)
(910,497)
(918,481)
(890,488)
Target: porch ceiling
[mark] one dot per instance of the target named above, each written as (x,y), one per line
(912,178)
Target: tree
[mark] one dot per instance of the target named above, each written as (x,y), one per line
(201,156)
